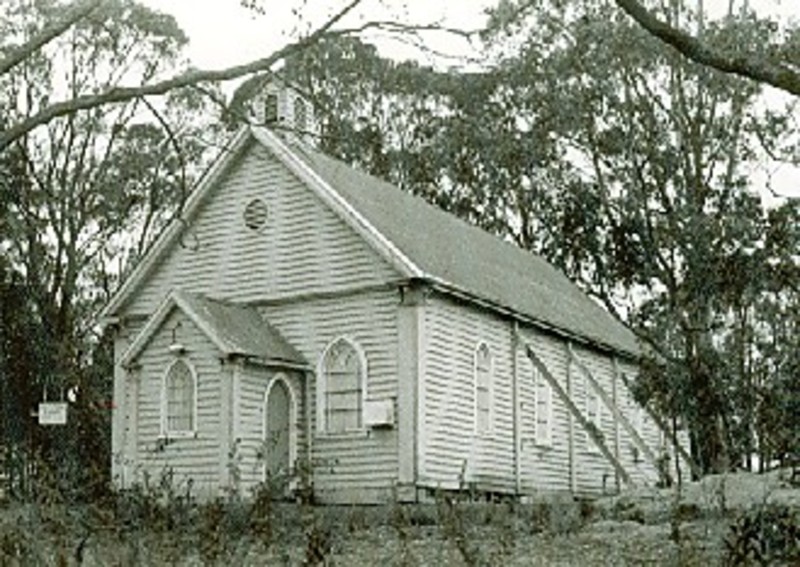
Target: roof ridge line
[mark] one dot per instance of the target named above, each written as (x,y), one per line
(355,219)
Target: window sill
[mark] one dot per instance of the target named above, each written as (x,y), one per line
(174,435)
(354,434)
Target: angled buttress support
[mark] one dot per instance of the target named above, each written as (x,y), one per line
(579,417)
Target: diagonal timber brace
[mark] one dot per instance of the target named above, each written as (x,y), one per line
(663,426)
(580,418)
(618,416)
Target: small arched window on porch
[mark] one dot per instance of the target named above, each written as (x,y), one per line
(179,400)
(341,380)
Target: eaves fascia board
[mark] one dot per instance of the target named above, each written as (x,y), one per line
(172,231)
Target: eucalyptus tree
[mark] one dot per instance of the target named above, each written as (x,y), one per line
(90,189)
(666,226)
(775,61)
(623,163)
(16,49)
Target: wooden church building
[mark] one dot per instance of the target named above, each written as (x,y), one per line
(306,321)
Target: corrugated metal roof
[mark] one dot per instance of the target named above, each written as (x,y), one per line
(469,259)
(239,329)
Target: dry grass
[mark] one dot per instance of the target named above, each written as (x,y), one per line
(634,529)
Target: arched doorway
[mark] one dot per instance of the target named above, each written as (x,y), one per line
(279,413)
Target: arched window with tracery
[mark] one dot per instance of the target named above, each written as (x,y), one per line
(179,400)
(340,387)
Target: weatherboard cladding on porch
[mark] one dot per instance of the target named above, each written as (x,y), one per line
(198,457)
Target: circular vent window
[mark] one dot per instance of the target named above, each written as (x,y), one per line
(255,214)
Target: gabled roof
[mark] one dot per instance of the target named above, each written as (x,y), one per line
(234,330)
(421,242)
(458,255)
(172,231)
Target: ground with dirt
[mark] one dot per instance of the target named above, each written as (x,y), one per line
(641,527)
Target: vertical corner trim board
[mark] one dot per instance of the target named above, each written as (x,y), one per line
(545,372)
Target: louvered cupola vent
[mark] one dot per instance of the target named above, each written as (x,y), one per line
(284,109)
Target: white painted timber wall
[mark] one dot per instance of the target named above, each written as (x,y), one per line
(544,468)
(253,384)
(305,247)
(198,458)
(451,451)
(594,473)
(361,466)
(123,421)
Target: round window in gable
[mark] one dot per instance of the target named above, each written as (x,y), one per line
(255,214)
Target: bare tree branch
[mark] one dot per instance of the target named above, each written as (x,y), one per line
(752,67)
(76,12)
(122,94)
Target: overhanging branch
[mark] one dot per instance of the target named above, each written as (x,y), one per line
(123,94)
(749,66)
(75,13)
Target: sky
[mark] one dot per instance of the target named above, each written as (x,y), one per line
(222,33)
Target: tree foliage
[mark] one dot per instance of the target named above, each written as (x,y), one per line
(775,62)
(626,165)
(81,199)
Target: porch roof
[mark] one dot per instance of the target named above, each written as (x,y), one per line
(236,330)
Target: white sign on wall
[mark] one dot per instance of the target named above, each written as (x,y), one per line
(53,413)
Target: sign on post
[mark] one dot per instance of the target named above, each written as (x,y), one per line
(53,413)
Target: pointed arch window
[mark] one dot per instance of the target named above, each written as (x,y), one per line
(341,383)
(483,388)
(594,414)
(179,400)
(544,409)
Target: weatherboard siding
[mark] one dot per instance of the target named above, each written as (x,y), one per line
(254,382)
(305,248)
(642,469)
(196,458)
(452,452)
(361,466)
(124,425)
(543,468)
(594,473)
